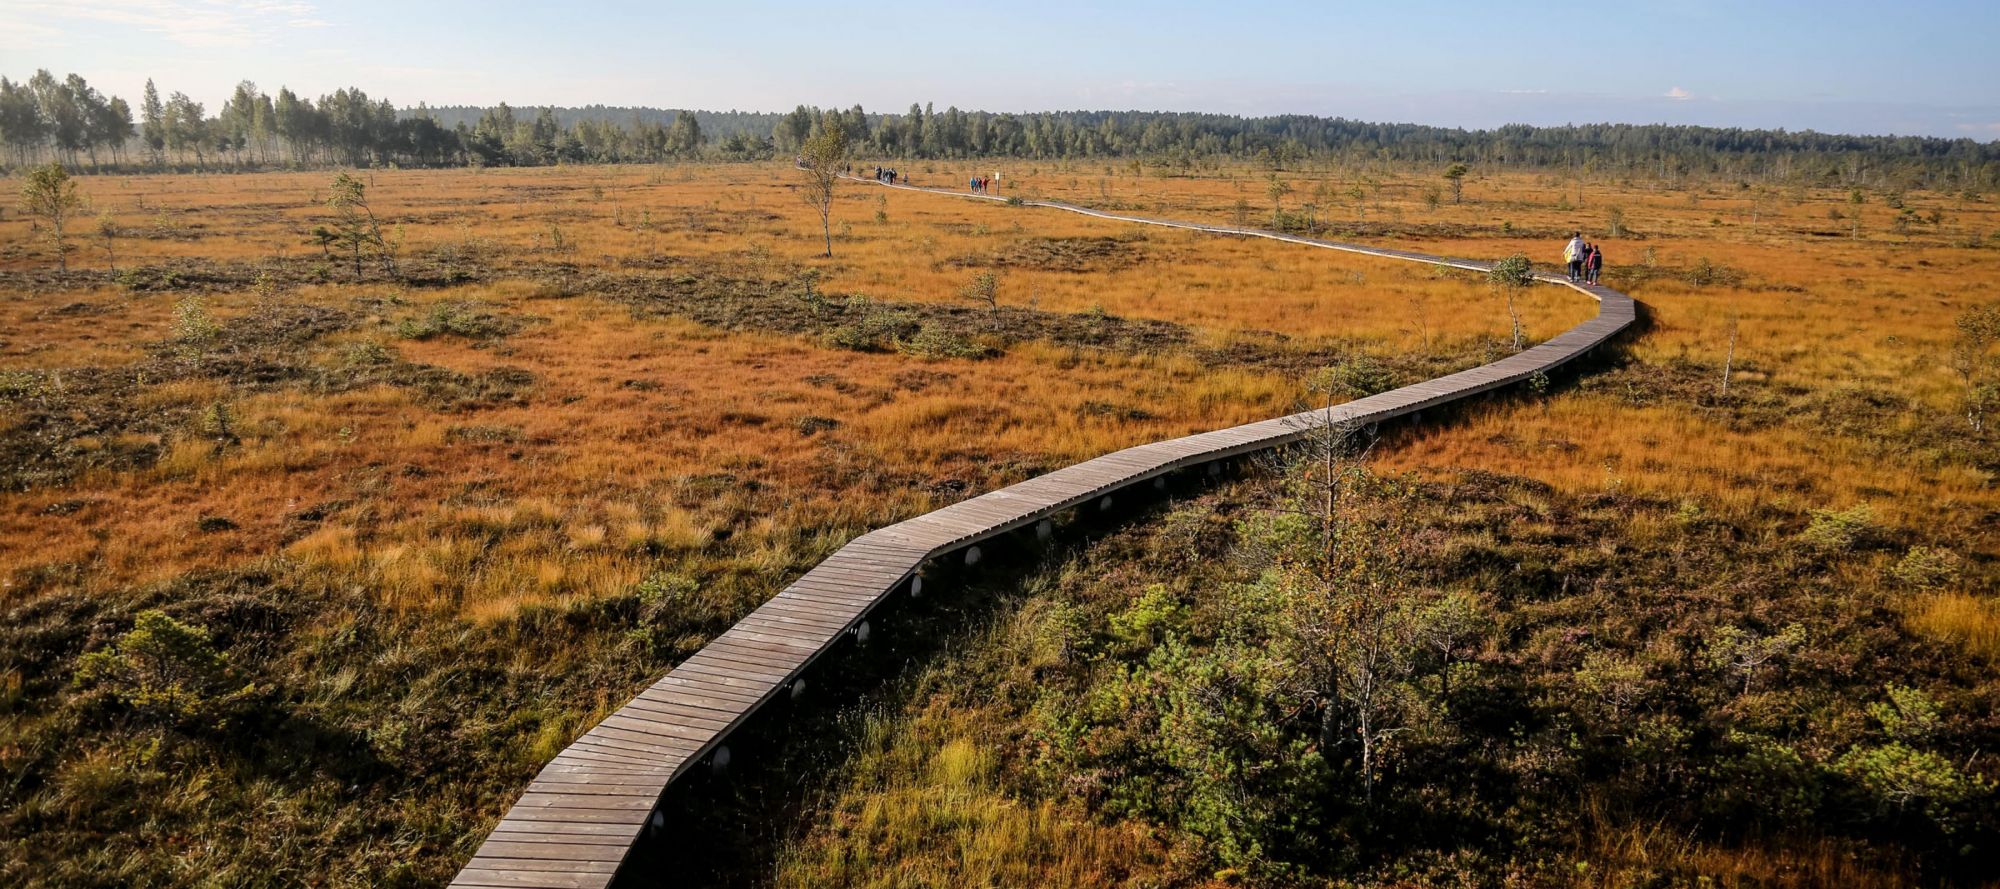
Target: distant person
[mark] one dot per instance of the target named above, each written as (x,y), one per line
(1593,267)
(1573,256)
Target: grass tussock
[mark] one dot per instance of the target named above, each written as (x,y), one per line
(1969,620)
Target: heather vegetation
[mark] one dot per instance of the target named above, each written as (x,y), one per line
(1550,688)
(335,504)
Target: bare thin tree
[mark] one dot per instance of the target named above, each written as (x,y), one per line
(820,159)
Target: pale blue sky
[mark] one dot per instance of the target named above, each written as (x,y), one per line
(1922,67)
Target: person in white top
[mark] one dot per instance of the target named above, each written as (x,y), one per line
(1573,255)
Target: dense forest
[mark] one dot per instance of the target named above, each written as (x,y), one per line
(69,120)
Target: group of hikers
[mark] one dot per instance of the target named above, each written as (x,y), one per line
(1585,260)
(978,184)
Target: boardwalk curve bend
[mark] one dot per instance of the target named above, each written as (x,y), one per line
(583,814)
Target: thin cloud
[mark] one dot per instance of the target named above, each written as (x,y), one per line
(29,35)
(195,23)
(1679,95)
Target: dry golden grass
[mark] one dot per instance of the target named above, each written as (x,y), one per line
(1619,854)
(927,249)
(647,445)
(940,820)
(642,440)
(1971,620)
(1818,310)
(625,418)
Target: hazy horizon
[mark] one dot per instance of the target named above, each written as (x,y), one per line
(1835,68)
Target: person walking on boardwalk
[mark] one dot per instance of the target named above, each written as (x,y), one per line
(1593,266)
(1573,256)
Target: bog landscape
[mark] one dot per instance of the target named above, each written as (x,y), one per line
(367,471)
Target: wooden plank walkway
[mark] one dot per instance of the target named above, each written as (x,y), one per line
(573,826)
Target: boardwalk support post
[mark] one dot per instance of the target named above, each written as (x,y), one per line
(972,555)
(917,586)
(718,762)
(1104,503)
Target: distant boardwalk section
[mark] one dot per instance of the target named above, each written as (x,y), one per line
(574,825)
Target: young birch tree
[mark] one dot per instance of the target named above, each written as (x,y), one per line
(49,195)
(820,159)
(1352,603)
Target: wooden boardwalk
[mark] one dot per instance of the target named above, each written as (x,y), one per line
(574,825)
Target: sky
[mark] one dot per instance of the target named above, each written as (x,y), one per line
(1912,68)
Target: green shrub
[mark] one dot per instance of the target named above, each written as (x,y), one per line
(936,343)
(454,319)
(1514,271)
(162,668)
(1356,376)
(1834,531)
(1908,715)
(873,331)
(813,424)
(1927,568)
(23,385)
(1705,272)
(1900,778)
(1766,780)
(1746,652)
(368,353)
(193,326)
(1156,611)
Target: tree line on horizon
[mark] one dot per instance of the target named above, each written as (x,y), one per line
(44,118)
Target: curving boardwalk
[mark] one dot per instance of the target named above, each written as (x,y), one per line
(575,824)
